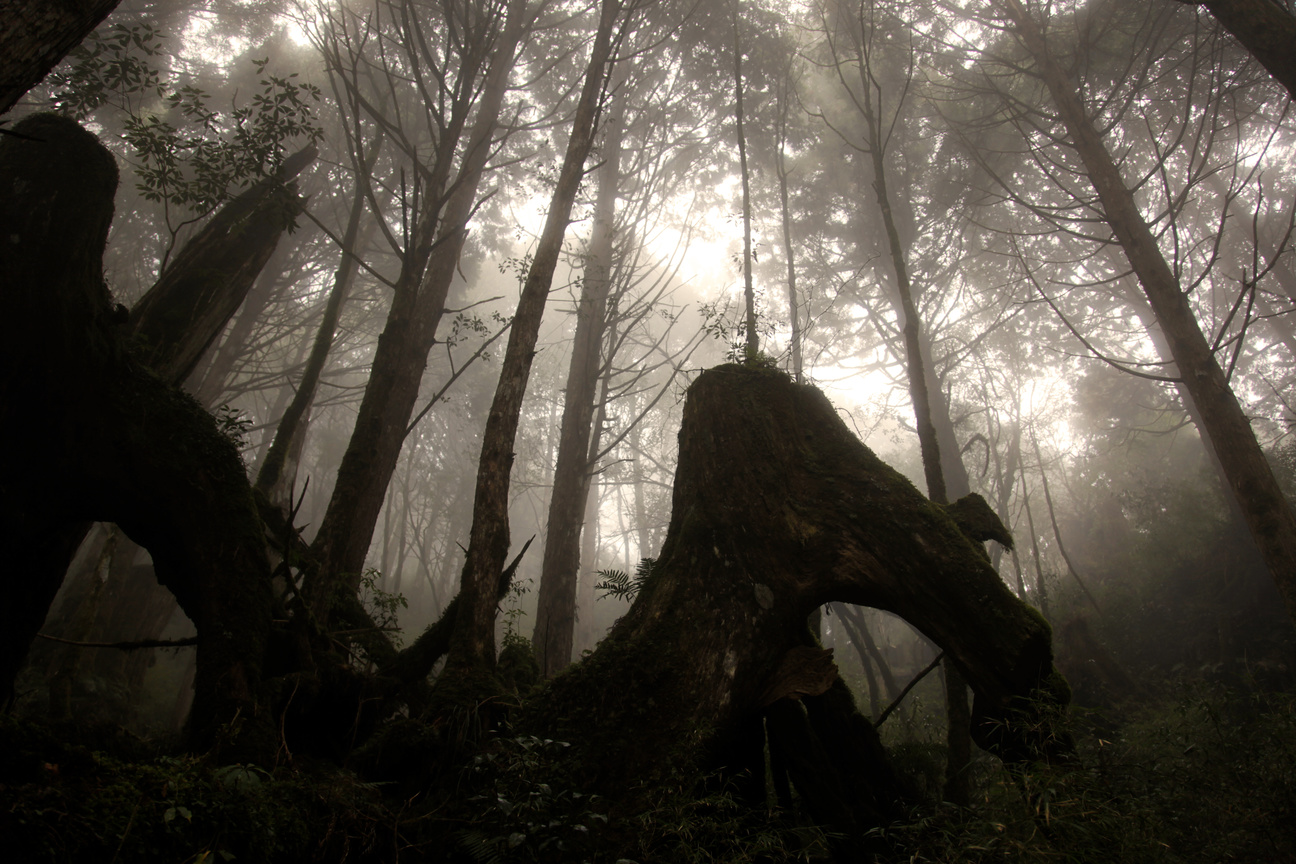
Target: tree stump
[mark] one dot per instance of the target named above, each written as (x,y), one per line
(778,508)
(89,434)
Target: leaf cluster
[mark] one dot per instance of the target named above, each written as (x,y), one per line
(620,584)
(186,152)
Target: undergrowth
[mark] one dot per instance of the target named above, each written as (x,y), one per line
(62,802)
(1208,774)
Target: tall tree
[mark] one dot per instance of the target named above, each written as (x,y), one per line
(437,227)
(556,597)
(473,646)
(1268,515)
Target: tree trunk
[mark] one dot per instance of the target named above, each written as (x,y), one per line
(201,289)
(1266,29)
(941,459)
(210,379)
(37,34)
(278,472)
(749,292)
(474,638)
(1268,516)
(778,508)
(401,356)
(103,438)
(556,599)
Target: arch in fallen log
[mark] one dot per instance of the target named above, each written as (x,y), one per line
(778,508)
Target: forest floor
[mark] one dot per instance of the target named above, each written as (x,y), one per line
(1203,772)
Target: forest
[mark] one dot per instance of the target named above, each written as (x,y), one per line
(641,431)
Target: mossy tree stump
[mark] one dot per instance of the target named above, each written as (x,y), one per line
(778,508)
(89,433)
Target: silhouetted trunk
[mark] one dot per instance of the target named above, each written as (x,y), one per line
(104,438)
(278,472)
(210,379)
(936,454)
(1266,28)
(36,35)
(749,292)
(556,598)
(201,289)
(474,642)
(1268,515)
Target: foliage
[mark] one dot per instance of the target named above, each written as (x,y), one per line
(195,166)
(683,826)
(234,425)
(63,802)
(383,606)
(113,65)
(1208,775)
(186,153)
(620,584)
(524,812)
(723,323)
(513,616)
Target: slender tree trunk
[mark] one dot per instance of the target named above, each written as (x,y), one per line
(958,715)
(794,311)
(401,356)
(856,639)
(1040,587)
(1268,516)
(209,381)
(279,470)
(749,291)
(473,645)
(1057,532)
(556,600)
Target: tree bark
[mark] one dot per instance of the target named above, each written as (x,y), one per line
(473,647)
(103,438)
(556,598)
(37,34)
(778,509)
(177,320)
(1267,513)
(749,292)
(1266,29)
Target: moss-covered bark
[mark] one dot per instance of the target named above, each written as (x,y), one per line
(778,509)
(89,434)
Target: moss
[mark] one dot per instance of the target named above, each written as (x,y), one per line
(517,668)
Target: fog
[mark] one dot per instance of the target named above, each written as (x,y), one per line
(1068,224)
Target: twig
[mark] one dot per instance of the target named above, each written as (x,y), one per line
(126,646)
(905,692)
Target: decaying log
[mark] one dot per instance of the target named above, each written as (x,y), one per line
(778,508)
(188,307)
(90,434)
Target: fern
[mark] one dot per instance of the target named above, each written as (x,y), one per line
(619,584)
